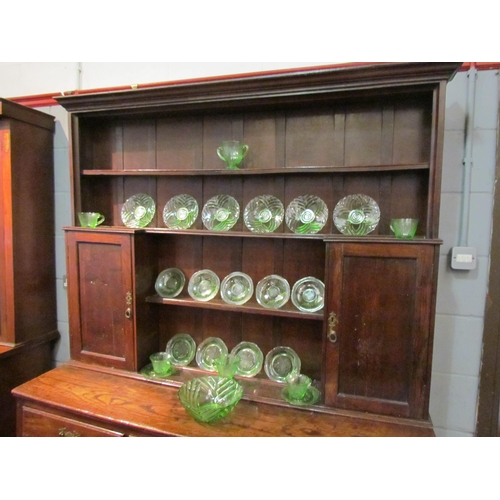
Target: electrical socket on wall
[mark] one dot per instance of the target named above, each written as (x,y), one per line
(463,258)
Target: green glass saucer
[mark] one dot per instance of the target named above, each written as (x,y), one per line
(148,372)
(311,397)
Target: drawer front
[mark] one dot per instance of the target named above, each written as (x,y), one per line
(39,423)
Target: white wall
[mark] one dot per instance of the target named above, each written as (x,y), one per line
(461,294)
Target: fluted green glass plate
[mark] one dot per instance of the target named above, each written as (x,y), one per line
(220,213)
(180,212)
(306,215)
(356,215)
(264,214)
(138,211)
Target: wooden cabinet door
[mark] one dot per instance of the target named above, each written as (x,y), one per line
(378,337)
(101,298)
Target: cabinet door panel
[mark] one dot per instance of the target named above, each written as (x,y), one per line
(100,293)
(382,298)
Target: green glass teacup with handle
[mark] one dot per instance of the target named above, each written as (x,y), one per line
(90,219)
(404,228)
(162,363)
(297,385)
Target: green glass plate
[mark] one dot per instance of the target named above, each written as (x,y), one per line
(138,211)
(204,285)
(148,372)
(311,397)
(208,351)
(280,362)
(220,213)
(264,214)
(306,215)
(180,212)
(170,283)
(251,359)
(181,348)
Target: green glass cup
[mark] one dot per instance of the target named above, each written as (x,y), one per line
(232,153)
(297,385)
(227,365)
(90,219)
(404,228)
(161,362)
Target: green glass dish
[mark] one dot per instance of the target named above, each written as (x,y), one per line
(180,212)
(308,294)
(311,397)
(404,228)
(356,215)
(149,372)
(264,214)
(281,362)
(208,351)
(220,213)
(170,282)
(181,348)
(306,215)
(272,292)
(236,288)
(211,398)
(251,359)
(138,211)
(203,285)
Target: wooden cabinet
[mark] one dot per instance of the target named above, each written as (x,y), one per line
(28,320)
(374,129)
(377,347)
(110,322)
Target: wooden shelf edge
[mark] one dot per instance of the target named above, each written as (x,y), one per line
(251,308)
(255,171)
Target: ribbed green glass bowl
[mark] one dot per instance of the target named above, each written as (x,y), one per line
(210,398)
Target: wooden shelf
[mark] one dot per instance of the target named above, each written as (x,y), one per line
(255,171)
(251,307)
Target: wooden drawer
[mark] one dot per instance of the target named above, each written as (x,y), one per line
(40,423)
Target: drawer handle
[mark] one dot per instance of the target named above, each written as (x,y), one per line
(332,323)
(65,433)
(128,313)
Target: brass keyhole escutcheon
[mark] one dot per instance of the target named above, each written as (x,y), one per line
(332,323)
(63,432)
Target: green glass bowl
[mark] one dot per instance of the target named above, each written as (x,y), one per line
(211,398)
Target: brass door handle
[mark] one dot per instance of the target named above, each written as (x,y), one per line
(332,323)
